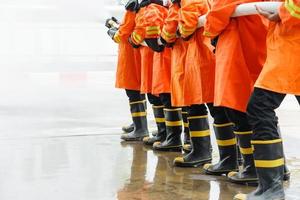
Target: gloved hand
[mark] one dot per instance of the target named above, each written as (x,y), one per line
(132,43)
(165,43)
(176,2)
(153,44)
(145,3)
(112,32)
(132,5)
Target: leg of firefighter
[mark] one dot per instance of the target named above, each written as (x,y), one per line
(133,95)
(158,110)
(139,117)
(200,139)
(187,147)
(173,127)
(243,132)
(226,143)
(268,150)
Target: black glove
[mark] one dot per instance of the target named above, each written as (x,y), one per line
(112,32)
(132,44)
(132,5)
(176,1)
(145,3)
(166,44)
(153,44)
(214,42)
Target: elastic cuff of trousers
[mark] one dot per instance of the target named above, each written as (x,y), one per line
(137,102)
(139,114)
(225,143)
(223,125)
(204,133)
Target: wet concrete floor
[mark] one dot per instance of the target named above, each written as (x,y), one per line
(60,139)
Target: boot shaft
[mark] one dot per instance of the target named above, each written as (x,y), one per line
(160,120)
(173,123)
(245,147)
(139,116)
(269,163)
(226,141)
(200,133)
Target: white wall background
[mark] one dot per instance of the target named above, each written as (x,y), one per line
(50,34)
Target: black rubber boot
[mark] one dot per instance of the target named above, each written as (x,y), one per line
(227,150)
(139,118)
(174,129)
(269,162)
(128,129)
(161,126)
(200,141)
(187,147)
(247,175)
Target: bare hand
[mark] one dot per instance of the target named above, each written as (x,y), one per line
(274,17)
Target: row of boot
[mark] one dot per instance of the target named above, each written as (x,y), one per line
(235,149)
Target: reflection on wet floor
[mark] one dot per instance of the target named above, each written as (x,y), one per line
(168,182)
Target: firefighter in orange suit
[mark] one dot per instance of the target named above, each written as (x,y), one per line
(280,76)
(170,140)
(240,54)
(128,73)
(194,77)
(170,40)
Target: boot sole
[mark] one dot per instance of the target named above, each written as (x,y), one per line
(171,149)
(193,164)
(134,139)
(219,173)
(247,182)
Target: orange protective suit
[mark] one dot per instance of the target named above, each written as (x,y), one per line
(128,74)
(198,84)
(137,37)
(240,53)
(281,72)
(155,66)
(178,55)
(154,21)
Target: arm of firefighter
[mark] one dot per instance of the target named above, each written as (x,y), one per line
(126,27)
(218,18)
(189,15)
(290,12)
(169,29)
(153,23)
(138,34)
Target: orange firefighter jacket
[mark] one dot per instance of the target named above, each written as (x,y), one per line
(137,37)
(281,72)
(128,75)
(198,83)
(240,53)
(155,66)
(161,60)
(178,55)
